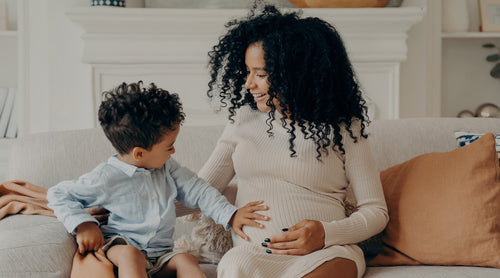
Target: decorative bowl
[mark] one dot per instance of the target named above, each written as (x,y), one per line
(339,3)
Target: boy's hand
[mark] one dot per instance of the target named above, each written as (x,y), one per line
(245,216)
(89,237)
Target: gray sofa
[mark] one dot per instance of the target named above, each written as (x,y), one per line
(39,246)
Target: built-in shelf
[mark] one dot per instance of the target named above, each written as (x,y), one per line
(470,35)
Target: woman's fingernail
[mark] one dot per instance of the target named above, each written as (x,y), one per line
(285,229)
(269,251)
(264,244)
(267,240)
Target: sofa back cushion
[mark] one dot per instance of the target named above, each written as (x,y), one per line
(396,141)
(47,158)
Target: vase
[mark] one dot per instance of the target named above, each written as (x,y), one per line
(455,16)
(107,3)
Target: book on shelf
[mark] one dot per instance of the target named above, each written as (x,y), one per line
(8,107)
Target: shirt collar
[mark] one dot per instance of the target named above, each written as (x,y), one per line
(128,169)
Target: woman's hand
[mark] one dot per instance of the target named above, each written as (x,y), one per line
(101,214)
(246,216)
(303,238)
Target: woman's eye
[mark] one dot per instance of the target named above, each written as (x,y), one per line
(261,75)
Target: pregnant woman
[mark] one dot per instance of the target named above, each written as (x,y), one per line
(295,139)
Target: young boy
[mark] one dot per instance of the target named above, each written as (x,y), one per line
(138,187)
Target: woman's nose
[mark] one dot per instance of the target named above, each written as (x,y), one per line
(249,84)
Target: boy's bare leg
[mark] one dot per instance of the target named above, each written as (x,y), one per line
(184,265)
(129,260)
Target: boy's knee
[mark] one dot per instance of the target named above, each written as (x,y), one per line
(131,252)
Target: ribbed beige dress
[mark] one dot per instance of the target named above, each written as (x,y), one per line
(294,189)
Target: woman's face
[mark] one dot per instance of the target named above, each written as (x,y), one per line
(256,81)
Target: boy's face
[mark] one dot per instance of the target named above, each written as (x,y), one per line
(161,151)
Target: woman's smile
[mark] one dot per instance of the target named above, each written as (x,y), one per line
(260,97)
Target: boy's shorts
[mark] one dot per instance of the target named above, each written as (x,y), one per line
(153,264)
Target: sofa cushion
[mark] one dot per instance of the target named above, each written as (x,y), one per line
(431,272)
(35,246)
(444,208)
(45,159)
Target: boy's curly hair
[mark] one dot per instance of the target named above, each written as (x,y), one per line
(308,70)
(132,116)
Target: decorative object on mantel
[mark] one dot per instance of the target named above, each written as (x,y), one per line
(485,110)
(339,3)
(455,16)
(3,16)
(394,3)
(495,71)
(489,14)
(210,4)
(465,114)
(488,110)
(107,3)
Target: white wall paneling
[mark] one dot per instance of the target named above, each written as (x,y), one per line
(189,81)
(170,46)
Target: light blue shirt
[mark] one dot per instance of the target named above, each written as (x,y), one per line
(140,201)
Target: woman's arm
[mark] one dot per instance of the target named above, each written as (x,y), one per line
(219,170)
(370,218)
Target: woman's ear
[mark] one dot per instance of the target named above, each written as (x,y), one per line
(138,153)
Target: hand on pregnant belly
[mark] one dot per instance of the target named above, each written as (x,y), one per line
(303,238)
(246,216)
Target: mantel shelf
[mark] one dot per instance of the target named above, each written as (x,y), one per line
(470,35)
(363,26)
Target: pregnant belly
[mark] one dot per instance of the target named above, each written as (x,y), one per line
(288,204)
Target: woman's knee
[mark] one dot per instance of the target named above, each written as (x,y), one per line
(184,258)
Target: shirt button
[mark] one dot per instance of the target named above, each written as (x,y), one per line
(146,173)
(154,198)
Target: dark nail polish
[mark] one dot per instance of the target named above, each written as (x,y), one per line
(264,244)
(269,251)
(285,229)
(267,240)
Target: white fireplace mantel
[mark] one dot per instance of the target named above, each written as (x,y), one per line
(170,46)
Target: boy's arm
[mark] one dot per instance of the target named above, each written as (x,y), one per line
(194,192)
(68,200)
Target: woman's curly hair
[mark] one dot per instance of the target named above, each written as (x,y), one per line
(132,116)
(308,69)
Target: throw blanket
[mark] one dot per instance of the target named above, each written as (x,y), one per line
(26,198)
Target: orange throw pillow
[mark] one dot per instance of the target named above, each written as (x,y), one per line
(444,208)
